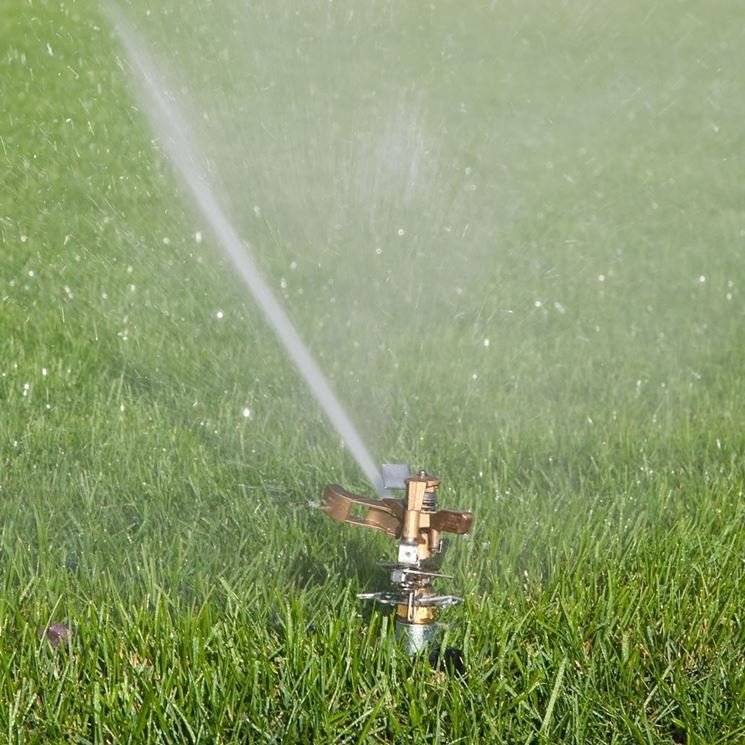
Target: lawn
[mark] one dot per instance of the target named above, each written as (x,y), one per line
(512,234)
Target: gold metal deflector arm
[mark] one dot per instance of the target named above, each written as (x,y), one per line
(384,514)
(387,514)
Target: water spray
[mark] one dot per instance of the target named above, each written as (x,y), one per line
(414,520)
(418,525)
(177,141)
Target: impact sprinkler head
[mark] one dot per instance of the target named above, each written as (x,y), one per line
(418,524)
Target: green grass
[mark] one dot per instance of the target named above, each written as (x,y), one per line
(579,173)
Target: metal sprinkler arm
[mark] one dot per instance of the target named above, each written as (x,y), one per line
(387,514)
(384,514)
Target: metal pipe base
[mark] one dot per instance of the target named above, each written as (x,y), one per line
(415,638)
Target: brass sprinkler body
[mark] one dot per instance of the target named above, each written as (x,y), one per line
(418,524)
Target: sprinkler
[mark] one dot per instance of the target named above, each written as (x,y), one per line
(417,524)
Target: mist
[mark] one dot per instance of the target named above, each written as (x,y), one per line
(489,199)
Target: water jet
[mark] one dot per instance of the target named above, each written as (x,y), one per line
(175,136)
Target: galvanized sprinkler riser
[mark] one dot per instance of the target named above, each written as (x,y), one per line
(418,524)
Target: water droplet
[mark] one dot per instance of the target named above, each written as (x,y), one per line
(283,283)
(702,279)
(293,265)
(486,342)
(166,241)
(378,251)
(601,277)
(538,303)
(246,413)
(401,231)
(219,315)
(44,372)
(130,269)
(198,236)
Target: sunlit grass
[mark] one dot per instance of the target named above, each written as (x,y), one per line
(160,461)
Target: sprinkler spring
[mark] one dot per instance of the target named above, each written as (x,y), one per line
(417,523)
